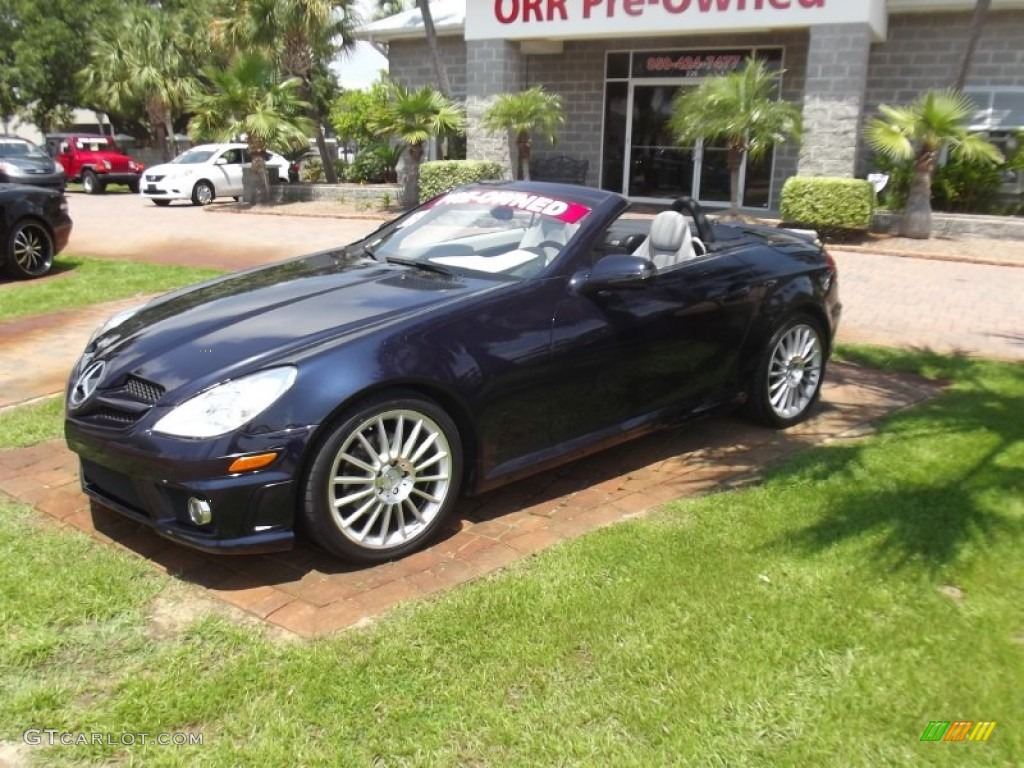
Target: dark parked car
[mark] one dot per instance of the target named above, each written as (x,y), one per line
(22,162)
(34,227)
(494,331)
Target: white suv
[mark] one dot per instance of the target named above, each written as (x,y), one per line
(203,173)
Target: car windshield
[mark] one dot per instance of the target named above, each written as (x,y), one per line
(20,149)
(507,233)
(194,156)
(95,145)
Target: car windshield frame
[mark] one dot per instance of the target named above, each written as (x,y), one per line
(30,150)
(98,144)
(507,235)
(194,156)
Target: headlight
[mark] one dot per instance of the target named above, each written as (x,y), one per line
(112,322)
(107,165)
(58,166)
(227,406)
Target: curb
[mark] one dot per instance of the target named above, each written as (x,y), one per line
(927,255)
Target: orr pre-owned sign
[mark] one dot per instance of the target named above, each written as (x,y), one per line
(580,19)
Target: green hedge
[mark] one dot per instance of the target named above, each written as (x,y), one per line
(441,175)
(828,204)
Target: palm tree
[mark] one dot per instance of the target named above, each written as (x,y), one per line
(148,61)
(741,109)
(918,133)
(250,99)
(522,113)
(302,34)
(977,24)
(414,117)
(435,55)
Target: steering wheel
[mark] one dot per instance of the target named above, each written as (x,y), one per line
(540,247)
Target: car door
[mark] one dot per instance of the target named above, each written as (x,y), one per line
(632,354)
(229,171)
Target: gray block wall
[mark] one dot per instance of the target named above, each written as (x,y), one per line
(495,66)
(834,87)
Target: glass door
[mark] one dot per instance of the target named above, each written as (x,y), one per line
(656,166)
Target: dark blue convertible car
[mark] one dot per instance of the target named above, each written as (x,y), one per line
(494,331)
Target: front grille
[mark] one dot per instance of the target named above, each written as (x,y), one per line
(142,390)
(114,416)
(119,165)
(122,405)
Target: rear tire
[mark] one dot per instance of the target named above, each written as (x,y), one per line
(789,373)
(384,480)
(29,251)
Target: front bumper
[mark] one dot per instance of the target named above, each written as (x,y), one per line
(112,177)
(150,479)
(167,189)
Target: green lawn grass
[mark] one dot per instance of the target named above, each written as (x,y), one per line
(77,281)
(822,618)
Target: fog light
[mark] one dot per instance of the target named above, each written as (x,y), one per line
(199,511)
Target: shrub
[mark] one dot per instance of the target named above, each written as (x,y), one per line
(833,206)
(961,187)
(958,186)
(368,167)
(441,175)
(312,170)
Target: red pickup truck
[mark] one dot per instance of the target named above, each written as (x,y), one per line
(94,160)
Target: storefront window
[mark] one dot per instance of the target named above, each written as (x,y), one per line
(640,155)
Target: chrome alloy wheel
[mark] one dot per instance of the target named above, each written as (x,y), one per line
(390,479)
(31,250)
(794,372)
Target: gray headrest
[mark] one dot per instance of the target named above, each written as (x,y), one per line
(667,231)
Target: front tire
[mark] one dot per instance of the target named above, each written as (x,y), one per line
(790,370)
(91,184)
(384,480)
(162,203)
(133,187)
(203,193)
(29,250)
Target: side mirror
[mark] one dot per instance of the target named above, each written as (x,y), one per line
(615,272)
(221,161)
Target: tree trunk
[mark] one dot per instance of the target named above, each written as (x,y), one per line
(260,186)
(523,161)
(411,182)
(169,128)
(977,24)
(917,216)
(439,69)
(735,160)
(155,115)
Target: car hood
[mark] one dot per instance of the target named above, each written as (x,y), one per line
(227,327)
(43,164)
(172,169)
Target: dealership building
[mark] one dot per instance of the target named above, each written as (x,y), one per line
(618,64)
